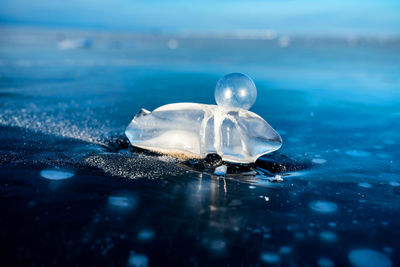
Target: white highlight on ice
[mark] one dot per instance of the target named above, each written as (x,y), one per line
(56,174)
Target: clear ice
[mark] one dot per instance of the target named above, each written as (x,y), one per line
(191,130)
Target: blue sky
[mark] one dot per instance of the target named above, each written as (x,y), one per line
(368,17)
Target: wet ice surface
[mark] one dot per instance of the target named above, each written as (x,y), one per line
(330,197)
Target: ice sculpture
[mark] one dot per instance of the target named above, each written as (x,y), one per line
(191,130)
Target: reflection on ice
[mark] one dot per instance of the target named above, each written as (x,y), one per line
(193,130)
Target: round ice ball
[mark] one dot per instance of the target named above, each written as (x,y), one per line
(235,90)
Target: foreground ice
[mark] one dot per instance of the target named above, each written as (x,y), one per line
(192,130)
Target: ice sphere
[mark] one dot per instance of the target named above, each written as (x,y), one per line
(235,90)
(191,130)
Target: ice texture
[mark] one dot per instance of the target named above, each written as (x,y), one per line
(192,130)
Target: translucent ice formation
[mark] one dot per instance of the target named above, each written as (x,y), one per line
(191,130)
(235,90)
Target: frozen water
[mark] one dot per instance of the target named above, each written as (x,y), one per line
(60,110)
(192,130)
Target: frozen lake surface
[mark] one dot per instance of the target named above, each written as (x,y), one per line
(73,191)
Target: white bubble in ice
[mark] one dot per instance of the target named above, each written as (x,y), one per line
(56,174)
(235,90)
(323,206)
(368,258)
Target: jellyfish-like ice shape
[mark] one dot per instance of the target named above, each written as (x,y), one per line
(191,130)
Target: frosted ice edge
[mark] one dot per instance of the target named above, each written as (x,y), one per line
(191,130)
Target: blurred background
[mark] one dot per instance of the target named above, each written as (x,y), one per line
(253,18)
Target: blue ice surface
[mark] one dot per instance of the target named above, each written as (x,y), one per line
(336,103)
